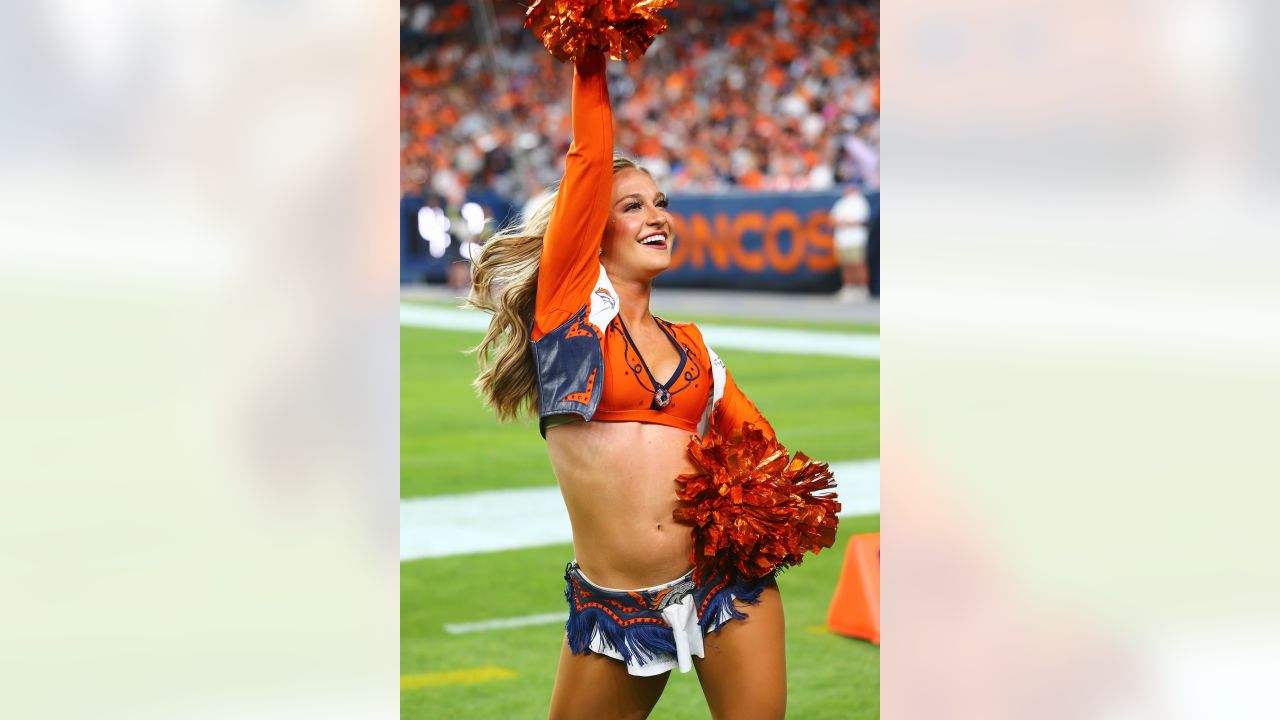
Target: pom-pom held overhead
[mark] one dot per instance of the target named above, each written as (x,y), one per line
(753,509)
(621,28)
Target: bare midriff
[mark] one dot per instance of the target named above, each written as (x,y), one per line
(618,483)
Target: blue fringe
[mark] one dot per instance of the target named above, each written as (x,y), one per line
(746,591)
(641,643)
(638,644)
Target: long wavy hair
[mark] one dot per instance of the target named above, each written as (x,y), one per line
(504,282)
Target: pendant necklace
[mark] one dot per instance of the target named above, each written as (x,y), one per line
(661,391)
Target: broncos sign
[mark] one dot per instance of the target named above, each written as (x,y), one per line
(762,241)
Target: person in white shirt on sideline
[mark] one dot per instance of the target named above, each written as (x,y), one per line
(849,216)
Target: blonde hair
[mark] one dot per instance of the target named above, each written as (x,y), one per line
(504,282)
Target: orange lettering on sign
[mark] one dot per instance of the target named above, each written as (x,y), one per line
(821,256)
(681,247)
(749,261)
(695,238)
(722,242)
(698,233)
(784,221)
(710,241)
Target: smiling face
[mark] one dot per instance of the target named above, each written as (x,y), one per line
(638,239)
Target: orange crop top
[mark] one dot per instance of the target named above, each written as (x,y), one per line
(630,393)
(586,362)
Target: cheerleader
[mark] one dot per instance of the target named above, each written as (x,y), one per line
(658,581)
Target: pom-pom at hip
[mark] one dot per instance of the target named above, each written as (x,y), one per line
(753,508)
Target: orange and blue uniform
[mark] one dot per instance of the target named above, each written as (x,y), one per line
(588,367)
(586,363)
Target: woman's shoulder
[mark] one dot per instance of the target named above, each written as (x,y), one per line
(685,328)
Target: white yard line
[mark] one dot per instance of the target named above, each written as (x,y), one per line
(482,522)
(426,316)
(533,517)
(755,339)
(792,342)
(503,623)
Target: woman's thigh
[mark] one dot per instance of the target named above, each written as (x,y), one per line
(594,687)
(744,673)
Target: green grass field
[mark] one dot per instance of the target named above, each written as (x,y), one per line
(828,407)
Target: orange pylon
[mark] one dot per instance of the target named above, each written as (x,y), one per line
(855,607)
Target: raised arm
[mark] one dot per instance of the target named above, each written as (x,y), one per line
(570,262)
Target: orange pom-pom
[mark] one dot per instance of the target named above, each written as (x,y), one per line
(621,28)
(753,509)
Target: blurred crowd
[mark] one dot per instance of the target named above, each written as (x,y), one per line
(742,94)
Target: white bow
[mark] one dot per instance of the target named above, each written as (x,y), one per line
(684,624)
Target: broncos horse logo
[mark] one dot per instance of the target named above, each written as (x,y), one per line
(606,297)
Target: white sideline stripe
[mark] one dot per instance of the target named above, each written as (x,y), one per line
(792,342)
(502,623)
(533,517)
(482,522)
(443,318)
(755,339)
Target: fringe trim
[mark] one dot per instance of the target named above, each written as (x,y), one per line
(643,642)
(721,610)
(638,644)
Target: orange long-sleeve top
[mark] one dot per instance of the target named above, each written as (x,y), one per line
(570,275)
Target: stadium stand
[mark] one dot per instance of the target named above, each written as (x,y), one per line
(751,94)
(741,95)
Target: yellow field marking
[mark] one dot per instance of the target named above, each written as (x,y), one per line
(818,629)
(469,676)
